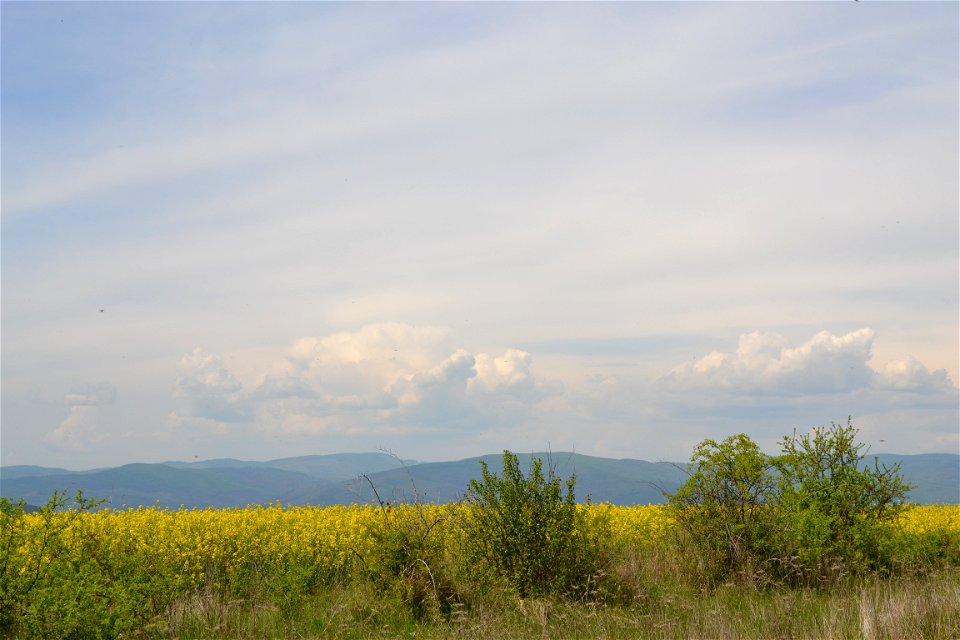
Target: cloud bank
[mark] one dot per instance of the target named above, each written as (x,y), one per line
(397,384)
(765,364)
(388,376)
(385,380)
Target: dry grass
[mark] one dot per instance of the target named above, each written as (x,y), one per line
(872,608)
(910,609)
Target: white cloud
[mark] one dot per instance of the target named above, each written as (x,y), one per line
(379,377)
(768,386)
(911,375)
(437,397)
(508,372)
(510,375)
(205,389)
(203,372)
(282,387)
(357,371)
(382,342)
(78,431)
(764,363)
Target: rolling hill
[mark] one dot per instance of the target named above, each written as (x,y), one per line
(351,478)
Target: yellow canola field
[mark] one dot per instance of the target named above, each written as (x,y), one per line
(192,543)
(940,518)
(637,526)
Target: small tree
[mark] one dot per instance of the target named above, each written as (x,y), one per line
(836,508)
(529,531)
(724,504)
(810,514)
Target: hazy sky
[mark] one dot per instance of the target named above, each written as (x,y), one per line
(259,230)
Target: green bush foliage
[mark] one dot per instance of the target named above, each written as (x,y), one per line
(811,514)
(725,506)
(532,533)
(60,582)
(835,508)
(19,579)
(408,563)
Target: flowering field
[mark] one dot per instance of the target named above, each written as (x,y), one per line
(931,519)
(189,543)
(86,573)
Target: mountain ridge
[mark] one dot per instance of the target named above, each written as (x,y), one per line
(348,478)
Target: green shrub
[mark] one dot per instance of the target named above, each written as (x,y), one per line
(58,579)
(530,532)
(407,561)
(23,577)
(725,513)
(812,514)
(836,510)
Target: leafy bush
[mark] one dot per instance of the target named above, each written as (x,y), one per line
(725,512)
(811,514)
(407,560)
(837,511)
(59,579)
(530,532)
(25,574)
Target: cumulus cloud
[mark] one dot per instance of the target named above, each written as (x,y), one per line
(203,372)
(358,368)
(911,375)
(381,376)
(438,396)
(78,431)
(389,380)
(388,341)
(283,387)
(475,391)
(766,364)
(205,389)
(509,373)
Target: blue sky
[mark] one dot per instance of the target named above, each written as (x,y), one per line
(258,230)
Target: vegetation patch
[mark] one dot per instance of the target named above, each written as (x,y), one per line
(809,543)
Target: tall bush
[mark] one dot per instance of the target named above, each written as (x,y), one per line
(531,532)
(725,506)
(811,514)
(836,509)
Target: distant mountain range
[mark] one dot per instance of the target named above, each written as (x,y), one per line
(349,478)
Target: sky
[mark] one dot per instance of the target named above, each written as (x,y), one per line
(260,230)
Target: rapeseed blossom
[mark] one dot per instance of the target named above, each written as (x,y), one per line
(195,545)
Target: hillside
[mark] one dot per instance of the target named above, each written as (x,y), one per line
(331,467)
(162,485)
(351,478)
(601,479)
(30,470)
